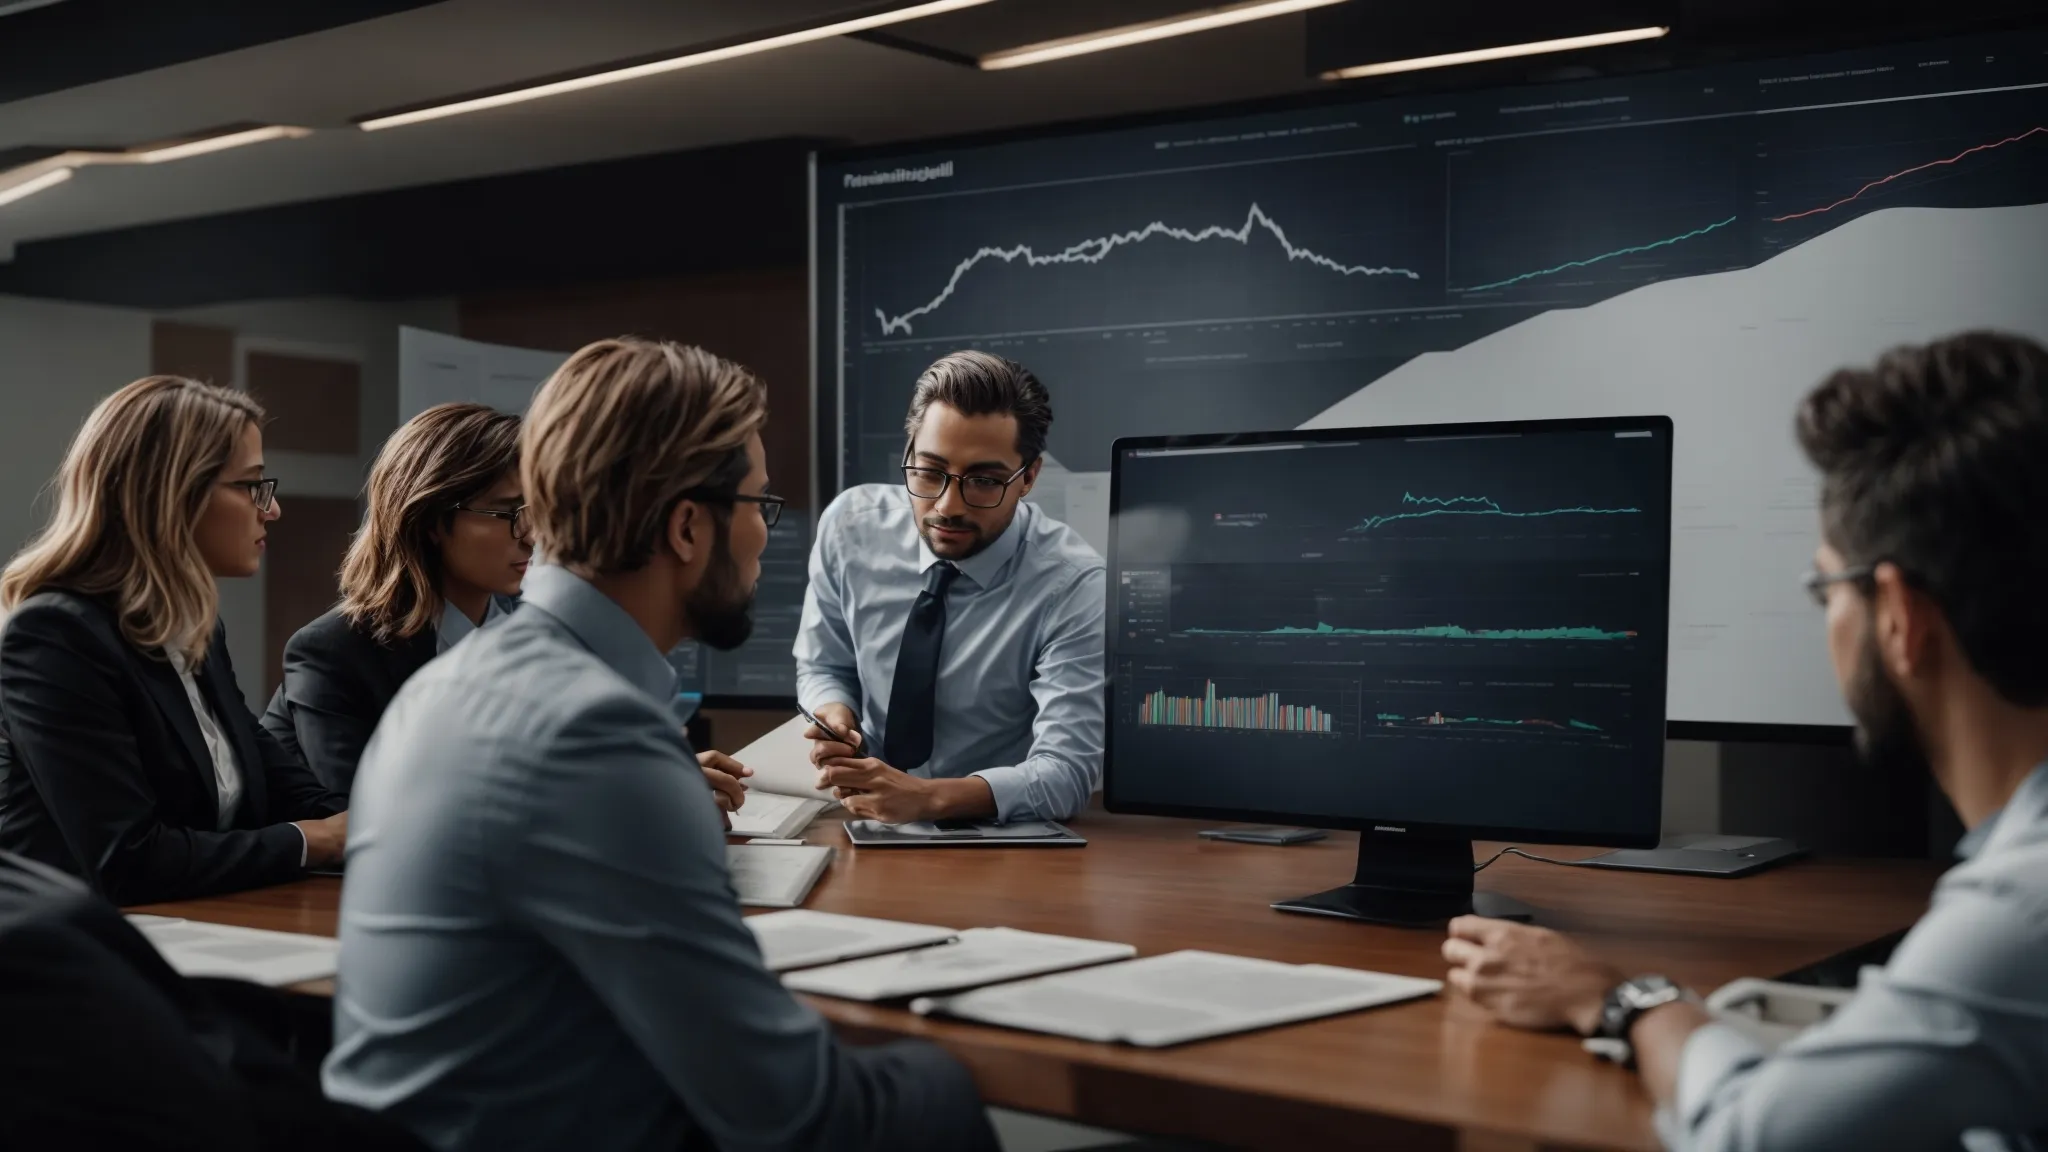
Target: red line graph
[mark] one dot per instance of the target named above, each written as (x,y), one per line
(1908,172)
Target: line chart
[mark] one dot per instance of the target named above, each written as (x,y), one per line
(1096,249)
(1570,264)
(1429,506)
(1428,632)
(1882,181)
(1439,720)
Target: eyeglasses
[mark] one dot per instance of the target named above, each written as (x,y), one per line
(771,506)
(516,519)
(1817,582)
(976,491)
(262,493)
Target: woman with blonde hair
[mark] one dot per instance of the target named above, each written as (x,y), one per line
(442,551)
(127,754)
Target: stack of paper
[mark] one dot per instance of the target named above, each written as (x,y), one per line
(980,956)
(1178,997)
(775,875)
(802,939)
(193,948)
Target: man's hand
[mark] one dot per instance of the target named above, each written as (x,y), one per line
(326,840)
(871,790)
(824,745)
(724,774)
(1527,977)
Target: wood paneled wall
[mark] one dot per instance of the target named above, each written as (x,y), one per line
(761,319)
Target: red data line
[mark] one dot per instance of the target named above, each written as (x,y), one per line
(1909,172)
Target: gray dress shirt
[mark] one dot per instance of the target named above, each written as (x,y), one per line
(540,944)
(1021,678)
(1949,1037)
(455,627)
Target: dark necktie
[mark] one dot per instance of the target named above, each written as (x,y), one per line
(913,697)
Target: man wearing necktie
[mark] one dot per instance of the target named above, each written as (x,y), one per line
(953,634)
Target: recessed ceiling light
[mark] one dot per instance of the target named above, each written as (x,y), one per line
(1476,55)
(892,15)
(1160,29)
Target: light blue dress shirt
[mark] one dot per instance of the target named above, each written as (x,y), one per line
(1021,678)
(1950,1036)
(455,626)
(540,944)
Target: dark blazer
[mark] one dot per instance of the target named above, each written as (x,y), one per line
(103,772)
(110,1048)
(337,682)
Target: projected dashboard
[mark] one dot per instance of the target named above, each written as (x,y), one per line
(1702,244)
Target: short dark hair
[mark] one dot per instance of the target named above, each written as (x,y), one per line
(978,384)
(1936,459)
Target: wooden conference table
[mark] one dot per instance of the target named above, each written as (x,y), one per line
(1433,1074)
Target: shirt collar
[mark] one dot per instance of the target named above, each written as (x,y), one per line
(2028,806)
(984,568)
(606,629)
(455,626)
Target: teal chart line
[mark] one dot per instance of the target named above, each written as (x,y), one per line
(1568,265)
(1439,720)
(1432,632)
(1428,506)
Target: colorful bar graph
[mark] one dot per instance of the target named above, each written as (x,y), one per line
(1264,713)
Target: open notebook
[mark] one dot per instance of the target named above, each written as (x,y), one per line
(1176,998)
(196,948)
(775,875)
(782,797)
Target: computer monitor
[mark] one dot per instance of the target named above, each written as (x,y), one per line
(1431,634)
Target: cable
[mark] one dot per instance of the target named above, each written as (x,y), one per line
(1482,866)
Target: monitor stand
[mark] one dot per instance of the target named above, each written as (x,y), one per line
(1410,883)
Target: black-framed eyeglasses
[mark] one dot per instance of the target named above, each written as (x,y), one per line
(976,491)
(516,518)
(1817,582)
(771,506)
(262,493)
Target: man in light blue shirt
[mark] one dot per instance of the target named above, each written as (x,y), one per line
(540,944)
(1932,572)
(952,633)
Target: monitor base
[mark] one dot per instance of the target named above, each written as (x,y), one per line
(1410,884)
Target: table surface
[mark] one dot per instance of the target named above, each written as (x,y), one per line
(1428,1074)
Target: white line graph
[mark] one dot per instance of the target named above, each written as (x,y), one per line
(1097,249)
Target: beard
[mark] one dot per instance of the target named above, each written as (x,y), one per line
(1888,739)
(980,539)
(720,608)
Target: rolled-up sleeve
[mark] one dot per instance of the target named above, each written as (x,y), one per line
(1947,1038)
(1064,766)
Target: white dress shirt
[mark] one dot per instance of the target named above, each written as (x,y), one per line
(455,626)
(227,775)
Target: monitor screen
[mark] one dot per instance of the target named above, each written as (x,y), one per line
(1705,243)
(1458,628)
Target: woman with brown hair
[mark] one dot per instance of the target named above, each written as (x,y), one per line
(127,754)
(441,553)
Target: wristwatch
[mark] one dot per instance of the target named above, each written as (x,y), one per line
(1623,1005)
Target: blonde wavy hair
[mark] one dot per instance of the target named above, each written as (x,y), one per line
(447,455)
(130,494)
(618,434)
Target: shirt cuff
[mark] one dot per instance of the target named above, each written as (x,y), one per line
(1713,1055)
(304,844)
(1007,785)
(816,696)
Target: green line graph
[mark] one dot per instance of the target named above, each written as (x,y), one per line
(1439,720)
(1570,264)
(1430,632)
(1425,507)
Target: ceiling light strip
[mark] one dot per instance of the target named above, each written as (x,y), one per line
(1162,29)
(1477,55)
(189,148)
(33,185)
(665,64)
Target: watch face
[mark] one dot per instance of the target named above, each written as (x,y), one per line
(1647,990)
